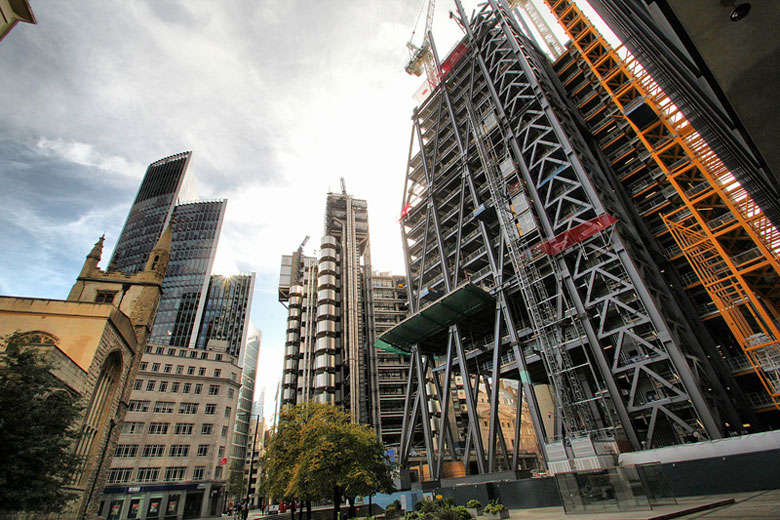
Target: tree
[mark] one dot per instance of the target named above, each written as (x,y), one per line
(317,454)
(235,485)
(37,417)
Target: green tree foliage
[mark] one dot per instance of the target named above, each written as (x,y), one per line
(37,415)
(235,485)
(440,509)
(318,454)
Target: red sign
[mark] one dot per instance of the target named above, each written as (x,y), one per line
(405,211)
(577,234)
(450,61)
(222,462)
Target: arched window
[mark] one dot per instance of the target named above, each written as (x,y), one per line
(98,412)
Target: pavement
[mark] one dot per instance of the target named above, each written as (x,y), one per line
(755,505)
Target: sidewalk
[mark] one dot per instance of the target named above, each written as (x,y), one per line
(755,505)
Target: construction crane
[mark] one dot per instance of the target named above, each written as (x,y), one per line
(421,58)
(300,247)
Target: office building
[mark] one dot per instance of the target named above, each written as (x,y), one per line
(390,308)
(332,321)
(227,307)
(528,261)
(164,196)
(171,460)
(249,365)
(95,340)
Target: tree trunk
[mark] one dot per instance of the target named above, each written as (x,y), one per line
(336,502)
(352,512)
(308,510)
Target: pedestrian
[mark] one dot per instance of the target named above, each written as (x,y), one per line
(245,511)
(292,510)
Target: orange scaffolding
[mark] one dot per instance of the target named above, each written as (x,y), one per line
(725,237)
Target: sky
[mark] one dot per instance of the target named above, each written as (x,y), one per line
(276,100)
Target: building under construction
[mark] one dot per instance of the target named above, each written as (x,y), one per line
(567,231)
(335,307)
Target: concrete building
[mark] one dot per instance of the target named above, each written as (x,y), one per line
(13,12)
(530,258)
(171,460)
(389,295)
(96,339)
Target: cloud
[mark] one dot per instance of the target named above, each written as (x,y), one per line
(86,155)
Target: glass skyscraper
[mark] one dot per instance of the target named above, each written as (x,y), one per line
(225,312)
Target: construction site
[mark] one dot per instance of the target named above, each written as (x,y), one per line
(593,279)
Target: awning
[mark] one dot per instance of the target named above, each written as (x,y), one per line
(423,327)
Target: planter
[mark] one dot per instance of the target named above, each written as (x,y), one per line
(475,511)
(497,516)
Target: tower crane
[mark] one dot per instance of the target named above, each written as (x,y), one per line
(421,58)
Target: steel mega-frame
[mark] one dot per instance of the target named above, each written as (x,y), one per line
(719,241)
(524,265)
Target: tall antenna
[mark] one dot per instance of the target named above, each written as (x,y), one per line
(343,186)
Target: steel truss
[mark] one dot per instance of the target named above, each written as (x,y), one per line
(496,167)
(727,240)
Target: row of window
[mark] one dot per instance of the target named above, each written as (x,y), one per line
(137,405)
(171,474)
(162,428)
(127,451)
(175,386)
(180,368)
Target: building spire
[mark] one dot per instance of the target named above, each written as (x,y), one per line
(93,258)
(161,254)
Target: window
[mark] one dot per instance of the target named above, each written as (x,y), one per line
(206,429)
(224,431)
(138,384)
(204,355)
(153,450)
(203,450)
(214,390)
(233,376)
(211,409)
(167,368)
(163,386)
(182,353)
(175,473)
(218,472)
(163,407)
(202,371)
(179,369)
(218,357)
(148,474)
(179,450)
(119,475)
(132,427)
(230,393)
(217,372)
(155,367)
(186,388)
(150,385)
(198,388)
(159,350)
(198,472)
(188,408)
(183,429)
(193,355)
(158,428)
(175,387)
(227,412)
(190,371)
(171,351)
(105,297)
(138,406)
(126,450)
(221,451)
(143,365)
